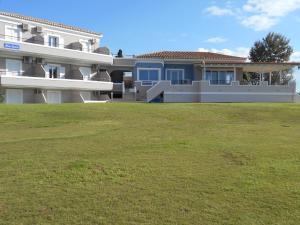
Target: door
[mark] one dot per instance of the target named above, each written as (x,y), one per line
(176,76)
(13,67)
(53,72)
(14,96)
(53,97)
(53,41)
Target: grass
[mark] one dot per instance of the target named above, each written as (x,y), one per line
(150,164)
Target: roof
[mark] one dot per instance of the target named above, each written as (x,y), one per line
(191,55)
(262,63)
(47,22)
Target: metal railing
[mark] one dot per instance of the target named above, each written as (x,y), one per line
(180,82)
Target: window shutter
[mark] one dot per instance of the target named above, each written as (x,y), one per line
(62,72)
(61,42)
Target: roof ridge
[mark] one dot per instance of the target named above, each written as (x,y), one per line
(190,55)
(47,22)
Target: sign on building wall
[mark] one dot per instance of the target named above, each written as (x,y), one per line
(11,46)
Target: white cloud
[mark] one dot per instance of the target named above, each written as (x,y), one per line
(244,52)
(258,14)
(259,22)
(241,51)
(272,8)
(216,40)
(217,11)
(295,57)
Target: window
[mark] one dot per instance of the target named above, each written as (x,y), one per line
(53,71)
(176,76)
(13,67)
(219,77)
(148,74)
(53,41)
(13,33)
(86,45)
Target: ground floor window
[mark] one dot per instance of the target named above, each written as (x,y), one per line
(219,77)
(148,76)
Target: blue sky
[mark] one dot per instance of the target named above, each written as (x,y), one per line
(140,26)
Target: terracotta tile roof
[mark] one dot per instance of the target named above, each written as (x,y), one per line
(32,19)
(258,63)
(191,55)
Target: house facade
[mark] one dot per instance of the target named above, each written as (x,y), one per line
(205,77)
(47,62)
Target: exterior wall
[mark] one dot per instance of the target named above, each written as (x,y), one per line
(68,38)
(141,91)
(239,74)
(28,96)
(245,93)
(2,65)
(202,91)
(297,98)
(36,70)
(32,80)
(198,73)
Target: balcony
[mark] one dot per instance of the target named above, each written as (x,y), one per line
(59,84)
(21,48)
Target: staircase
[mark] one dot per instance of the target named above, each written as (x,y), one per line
(157,89)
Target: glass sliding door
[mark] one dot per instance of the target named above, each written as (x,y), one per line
(176,76)
(219,77)
(53,72)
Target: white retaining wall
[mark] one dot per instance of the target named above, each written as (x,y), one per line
(202,91)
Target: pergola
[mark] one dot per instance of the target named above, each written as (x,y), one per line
(260,68)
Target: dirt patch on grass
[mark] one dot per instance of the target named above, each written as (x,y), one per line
(235,159)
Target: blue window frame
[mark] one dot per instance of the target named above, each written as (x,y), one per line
(176,76)
(148,74)
(219,77)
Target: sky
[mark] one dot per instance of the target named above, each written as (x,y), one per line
(142,26)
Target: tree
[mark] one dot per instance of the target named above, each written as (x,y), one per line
(273,48)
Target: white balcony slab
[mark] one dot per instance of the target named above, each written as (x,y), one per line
(42,51)
(59,84)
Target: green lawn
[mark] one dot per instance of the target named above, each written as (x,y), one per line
(152,164)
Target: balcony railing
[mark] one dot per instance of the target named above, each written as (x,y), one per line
(180,82)
(15,80)
(17,45)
